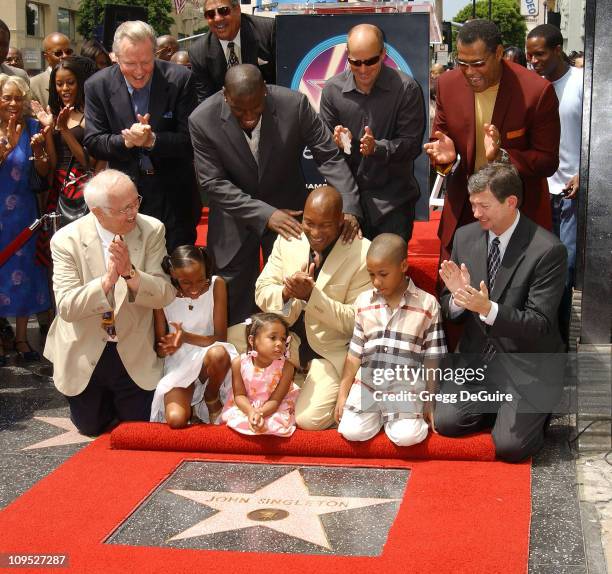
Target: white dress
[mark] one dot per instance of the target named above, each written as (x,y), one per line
(183,368)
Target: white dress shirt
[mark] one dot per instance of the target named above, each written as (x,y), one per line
(106,238)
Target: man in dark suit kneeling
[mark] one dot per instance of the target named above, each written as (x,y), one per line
(505,280)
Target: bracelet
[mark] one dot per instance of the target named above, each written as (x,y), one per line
(43,157)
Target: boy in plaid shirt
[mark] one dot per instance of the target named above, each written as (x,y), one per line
(398,332)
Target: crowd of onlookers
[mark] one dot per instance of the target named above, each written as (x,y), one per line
(123,144)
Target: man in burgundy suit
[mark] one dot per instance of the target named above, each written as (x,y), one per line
(488,109)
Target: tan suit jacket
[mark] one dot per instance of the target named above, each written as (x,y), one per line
(329,314)
(76,338)
(39,86)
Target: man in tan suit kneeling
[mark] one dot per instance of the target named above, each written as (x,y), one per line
(313,282)
(107,279)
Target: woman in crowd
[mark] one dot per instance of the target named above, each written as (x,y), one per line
(24,288)
(65,116)
(95,51)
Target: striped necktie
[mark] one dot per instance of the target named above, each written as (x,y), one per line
(232,59)
(493,262)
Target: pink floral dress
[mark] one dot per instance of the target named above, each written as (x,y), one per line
(260,384)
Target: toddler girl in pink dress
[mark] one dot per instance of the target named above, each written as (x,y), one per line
(264,395)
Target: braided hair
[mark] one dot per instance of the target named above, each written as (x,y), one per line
(185,256)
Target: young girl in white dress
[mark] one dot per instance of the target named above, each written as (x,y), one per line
(264,394)
(197,360)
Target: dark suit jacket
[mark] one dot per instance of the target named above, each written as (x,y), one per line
(257,45)
(528,288)
(242,194)
(527,115)
(108,110)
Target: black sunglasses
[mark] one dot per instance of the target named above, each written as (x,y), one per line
(222,11)
(60,53)
(369,62)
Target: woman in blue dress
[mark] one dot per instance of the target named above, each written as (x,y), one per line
(24,288)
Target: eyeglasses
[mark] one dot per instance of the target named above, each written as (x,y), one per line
(475,65)
(223,11)
(8,99)
(131,207)
(369,62)
(60,53)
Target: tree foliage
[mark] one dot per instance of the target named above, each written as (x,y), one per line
(505,13)
(91,14)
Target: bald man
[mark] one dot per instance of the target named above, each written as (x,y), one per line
(56,47)
(313,282)
(248,141)
(182,58)
(166,47)
(381,112)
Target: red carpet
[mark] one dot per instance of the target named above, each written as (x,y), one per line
(316,444)
(456,518)
(423,250)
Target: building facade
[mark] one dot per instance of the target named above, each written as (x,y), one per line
(30,21)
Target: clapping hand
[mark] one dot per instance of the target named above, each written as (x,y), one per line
(442,151)
(171,342)
(367,145)
(454,277)
(473,300)
(139,134)
(13,131)
(300,284)
(61,123)
(37,143)
(119,254)
(492,142)
(44,116)
(338,137)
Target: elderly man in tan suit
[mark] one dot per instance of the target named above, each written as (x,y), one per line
(313,282)
(107,279)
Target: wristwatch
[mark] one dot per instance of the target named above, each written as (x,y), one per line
(504,156)
(131,274)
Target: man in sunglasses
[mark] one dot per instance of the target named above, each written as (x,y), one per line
(233,38)
(380,113)
(56,47)
(489,109)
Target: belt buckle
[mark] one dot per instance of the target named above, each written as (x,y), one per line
(147,172)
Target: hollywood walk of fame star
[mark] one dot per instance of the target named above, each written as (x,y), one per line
(71,436)
(284,505)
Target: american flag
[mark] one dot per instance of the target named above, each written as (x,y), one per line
(179,5)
